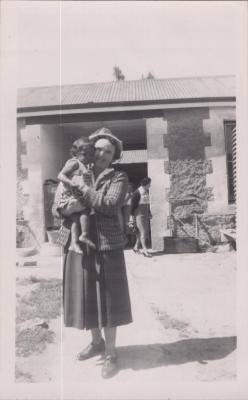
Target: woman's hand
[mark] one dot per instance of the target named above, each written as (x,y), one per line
(131,224)
(81,187)
(81,181)
(87,178)
(84,180)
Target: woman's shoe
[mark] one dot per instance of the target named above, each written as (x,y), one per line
(110,367)
(91,350)
(136,250)
(146,254)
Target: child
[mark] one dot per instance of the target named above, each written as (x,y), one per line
(73,174)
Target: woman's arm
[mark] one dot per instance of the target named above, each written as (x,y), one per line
(110,202)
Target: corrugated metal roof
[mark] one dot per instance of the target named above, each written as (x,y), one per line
(144,90)
(133,156)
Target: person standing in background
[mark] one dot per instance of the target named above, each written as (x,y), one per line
(140,215)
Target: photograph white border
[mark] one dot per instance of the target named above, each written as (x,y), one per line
(233,390)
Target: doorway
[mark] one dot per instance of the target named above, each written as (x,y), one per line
(135,172)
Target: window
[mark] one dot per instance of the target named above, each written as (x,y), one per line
(230,141)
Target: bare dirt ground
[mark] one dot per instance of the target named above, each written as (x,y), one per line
(183,330)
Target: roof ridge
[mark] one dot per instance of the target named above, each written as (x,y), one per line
(129,81)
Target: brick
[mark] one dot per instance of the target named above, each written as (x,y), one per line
(210,194)
(209,167)
(167,167)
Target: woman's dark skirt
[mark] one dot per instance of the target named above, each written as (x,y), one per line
(142,218)
(95,292)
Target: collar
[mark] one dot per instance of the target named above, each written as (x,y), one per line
(103,174)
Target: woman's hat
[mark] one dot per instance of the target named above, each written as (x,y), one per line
(105,133)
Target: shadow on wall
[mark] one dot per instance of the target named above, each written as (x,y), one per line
(181,352)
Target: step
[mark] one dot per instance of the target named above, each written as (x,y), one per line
(175,245)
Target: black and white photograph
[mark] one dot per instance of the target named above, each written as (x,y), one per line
(123,209)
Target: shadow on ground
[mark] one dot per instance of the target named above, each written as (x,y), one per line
(184,351)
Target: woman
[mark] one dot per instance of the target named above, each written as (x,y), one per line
(140,213)
(96,293)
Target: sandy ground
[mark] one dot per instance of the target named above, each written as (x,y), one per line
(183,330)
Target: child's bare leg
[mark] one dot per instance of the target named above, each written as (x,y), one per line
(75,234)
(85,230)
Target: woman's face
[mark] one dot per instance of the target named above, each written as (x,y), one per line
(147,187)
(104,153)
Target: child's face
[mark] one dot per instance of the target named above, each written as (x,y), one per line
(85,153)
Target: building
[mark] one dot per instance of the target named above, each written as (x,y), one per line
(177,131)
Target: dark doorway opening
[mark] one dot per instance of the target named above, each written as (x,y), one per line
(135,172)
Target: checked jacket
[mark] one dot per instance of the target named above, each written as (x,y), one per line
(105,198)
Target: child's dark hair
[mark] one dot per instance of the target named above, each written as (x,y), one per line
(78,143)
(145,181)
